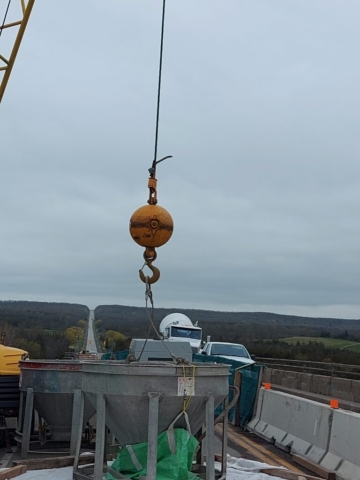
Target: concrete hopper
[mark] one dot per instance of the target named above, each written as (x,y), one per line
(52,384)
(126,387)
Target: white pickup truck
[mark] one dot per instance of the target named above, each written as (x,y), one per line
(231,351)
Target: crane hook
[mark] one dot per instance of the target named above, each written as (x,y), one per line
(151,226)
(149,257)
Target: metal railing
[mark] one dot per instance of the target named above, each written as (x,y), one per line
(320,368)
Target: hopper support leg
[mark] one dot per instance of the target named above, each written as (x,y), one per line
(153,428)
(210,453)
(77,424)
(21,411)
(100,436)
(224,440)
(29,405)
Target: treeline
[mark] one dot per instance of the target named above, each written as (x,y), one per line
(47,315)
(228,326)
(135,319)
(37,342)
(259,332)
(312,351)
(45,330)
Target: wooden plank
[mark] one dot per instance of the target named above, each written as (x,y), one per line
(287,474)
(54,462)
(13,472)
(314,467)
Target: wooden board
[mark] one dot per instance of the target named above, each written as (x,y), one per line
(287,474)
(12,472)
(54,462)
(314,467)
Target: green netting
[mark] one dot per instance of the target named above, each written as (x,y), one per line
(122,355)
(175,454)
(249,385)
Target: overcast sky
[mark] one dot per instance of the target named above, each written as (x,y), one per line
(261,112)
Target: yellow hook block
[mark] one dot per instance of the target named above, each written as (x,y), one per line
(151,226)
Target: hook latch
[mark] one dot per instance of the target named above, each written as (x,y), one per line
(149,257)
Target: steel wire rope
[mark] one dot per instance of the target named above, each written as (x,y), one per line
(159,83)
(4,20)
(149,296)
(148,292)
(144,344)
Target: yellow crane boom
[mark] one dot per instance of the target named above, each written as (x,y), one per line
(6,64)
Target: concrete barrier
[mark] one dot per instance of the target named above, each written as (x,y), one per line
(266,376)
(293,423)
(355,388)
(305,382)
(277,376)
(340,388)
(322,385)
(343,454)
(326,436)
(291,380)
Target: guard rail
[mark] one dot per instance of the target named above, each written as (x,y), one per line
(320,368)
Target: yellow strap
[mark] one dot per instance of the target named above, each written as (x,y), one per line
(188,399)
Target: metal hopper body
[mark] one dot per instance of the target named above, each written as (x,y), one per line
(126,387)
(53,383)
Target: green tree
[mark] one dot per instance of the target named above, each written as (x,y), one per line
(73,335)
(33,348)
(115,340)
(82,324)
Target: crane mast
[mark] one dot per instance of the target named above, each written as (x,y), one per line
(6,64)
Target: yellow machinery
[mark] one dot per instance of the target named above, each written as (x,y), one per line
(9,360)
(9,379)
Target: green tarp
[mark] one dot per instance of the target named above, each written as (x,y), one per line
(175,454)
(249,384)
(122,355)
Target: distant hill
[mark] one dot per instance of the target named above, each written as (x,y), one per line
(137,314)
(40,327)
(224,326)
(45,315)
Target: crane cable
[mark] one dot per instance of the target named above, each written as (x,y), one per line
(159,84)
(6,13)
(148,292)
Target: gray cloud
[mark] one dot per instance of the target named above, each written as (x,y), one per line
(260,109)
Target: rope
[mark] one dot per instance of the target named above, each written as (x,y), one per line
(6,13)
(149,296)
(150,327)
(159,83)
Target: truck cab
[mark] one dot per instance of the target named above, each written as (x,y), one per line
(177,327)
